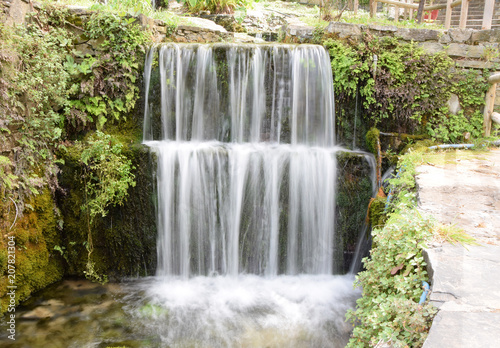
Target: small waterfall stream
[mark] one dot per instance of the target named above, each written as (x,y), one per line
(246,180)
(248,254)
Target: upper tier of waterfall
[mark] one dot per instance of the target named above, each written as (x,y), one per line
(239,93)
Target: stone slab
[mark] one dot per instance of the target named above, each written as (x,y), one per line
(465,192)
(465,280)
(432,47)
(466,277)
(460,35)
(203,23)
(475,64)
(467,330)
(418,35)
(344,30)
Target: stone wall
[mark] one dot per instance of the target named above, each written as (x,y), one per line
(199,30)
(15,10)
(472,49)
(469,48)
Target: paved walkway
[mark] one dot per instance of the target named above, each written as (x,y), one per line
(465,280)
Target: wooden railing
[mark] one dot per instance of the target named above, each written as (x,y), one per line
(487,14)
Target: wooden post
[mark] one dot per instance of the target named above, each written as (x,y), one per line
(488,109)
(410,16)
(396,13)
(489,6)
(463,14)
(447,19)
(490,103)
(356,7)
(373,8)
(420,11)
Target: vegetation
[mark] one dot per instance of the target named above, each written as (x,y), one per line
(51,93)
(391,282)
(107,175)
(104,86)
(33,90)
(406,90)
(389,311)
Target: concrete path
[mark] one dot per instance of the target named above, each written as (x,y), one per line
(465,280)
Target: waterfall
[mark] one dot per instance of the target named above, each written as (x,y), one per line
(244,136)
(246,185)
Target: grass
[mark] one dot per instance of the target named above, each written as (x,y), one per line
(363,17)
(288,8)
(308,14)
(452,234)
(314,21)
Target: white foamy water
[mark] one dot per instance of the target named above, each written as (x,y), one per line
(247,311)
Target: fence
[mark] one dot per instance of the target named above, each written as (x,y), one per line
(489,6)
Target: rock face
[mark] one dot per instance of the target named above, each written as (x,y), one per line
(15,10)
(465,280)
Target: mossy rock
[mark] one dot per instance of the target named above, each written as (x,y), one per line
(377,214)
(125,240)
(372,140)
(37,264)
(353,196)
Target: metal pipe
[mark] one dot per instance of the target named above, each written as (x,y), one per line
(451,146)
(425,286)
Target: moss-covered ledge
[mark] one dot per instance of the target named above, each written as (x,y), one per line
(125,240)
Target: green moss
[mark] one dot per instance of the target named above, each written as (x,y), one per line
(125,240)
(376,214)
(75,20)
(3,261)
(353,197)
(372,139)
(36,264)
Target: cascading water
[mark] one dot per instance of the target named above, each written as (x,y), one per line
(244,137)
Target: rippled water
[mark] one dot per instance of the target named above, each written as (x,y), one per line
(243,311)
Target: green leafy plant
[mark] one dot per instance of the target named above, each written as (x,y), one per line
(405,90)
(33,89)
(133,7)
(389,311)
(214,6)
(104,86)
(107,176)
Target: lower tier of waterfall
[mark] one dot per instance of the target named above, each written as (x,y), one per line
(258,208)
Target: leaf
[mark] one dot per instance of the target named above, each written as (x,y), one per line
(396,269)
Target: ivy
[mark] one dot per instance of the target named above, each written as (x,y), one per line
(104,86)
(33,89)
(470,86)
(49,92)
